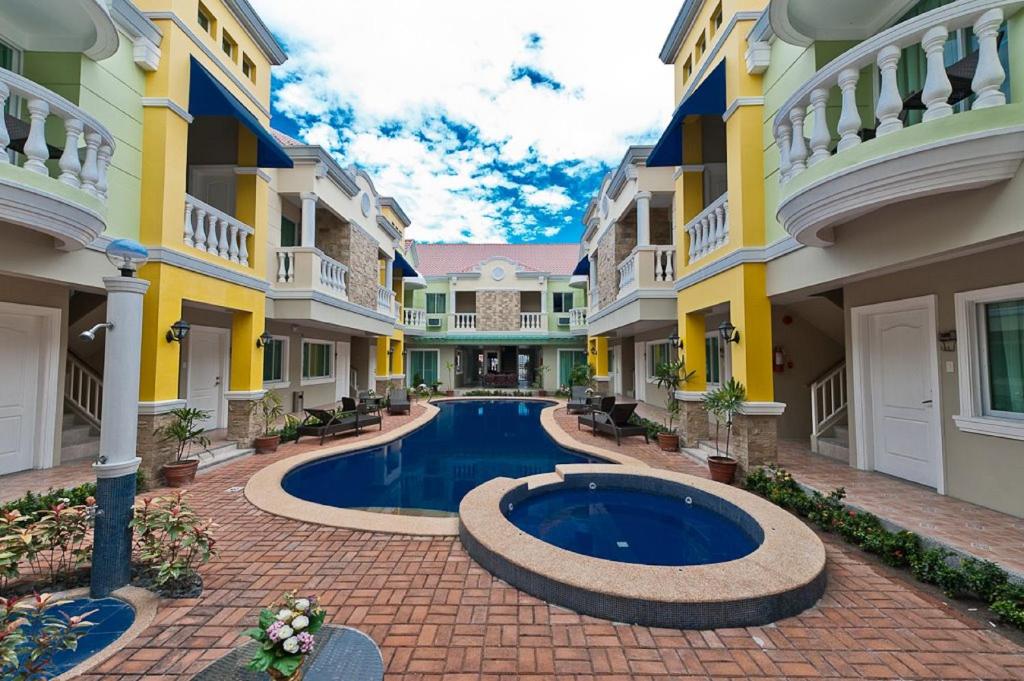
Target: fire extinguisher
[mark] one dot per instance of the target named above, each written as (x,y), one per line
(778,359)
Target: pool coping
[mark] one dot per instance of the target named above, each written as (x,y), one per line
(265,491)
(783,576)
(142,601)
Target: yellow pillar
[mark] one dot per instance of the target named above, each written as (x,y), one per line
(597,355)
(751,313)
(252,201)
(383,342)
(692,331)
(161,307)
(398,358)
(246,358)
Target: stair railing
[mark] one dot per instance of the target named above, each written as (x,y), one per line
(828,401)
(83,390)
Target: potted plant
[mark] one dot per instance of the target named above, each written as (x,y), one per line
(286,634)
(185,431)
(269,410)
(670,376)
(450,366)
(538,380)
(723,403)
(582,374)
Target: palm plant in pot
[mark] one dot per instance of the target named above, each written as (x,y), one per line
(450,366)
(723,404)
(670,377)
(538,380)
(185,431)
(269,410)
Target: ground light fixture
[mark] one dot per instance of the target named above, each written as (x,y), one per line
(178,331)
(728,332)
(263,339)
(127,256)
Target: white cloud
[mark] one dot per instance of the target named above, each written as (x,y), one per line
(551,231)
(394,61)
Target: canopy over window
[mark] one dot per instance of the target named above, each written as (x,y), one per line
(582,267)
(402,265)
(707,100)
(207,97)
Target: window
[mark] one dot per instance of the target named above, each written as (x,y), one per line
(422,367)
(289,232)
(701,46)
(716,360)
(990,349)
(205,19)
(228,45)
(436,303)
(687,70)
(567,359)
(716,19)
(317,361)
(562,301)
(275,360)
(458,362)
(248,68)
(657,354)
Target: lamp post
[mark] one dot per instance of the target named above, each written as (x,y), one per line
(117,463)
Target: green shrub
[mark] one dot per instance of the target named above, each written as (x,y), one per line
(652,427)
(983,578)
(1008,603)
(33,502)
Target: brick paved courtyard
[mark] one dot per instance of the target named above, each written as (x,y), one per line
(437,615)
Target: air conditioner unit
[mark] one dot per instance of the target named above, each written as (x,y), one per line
(563,321)
(433,322)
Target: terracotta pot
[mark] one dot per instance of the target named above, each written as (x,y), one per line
(266,443)
(180,474)
(542,393)
(278,676)
(669,442)
(723,469)
(449,393)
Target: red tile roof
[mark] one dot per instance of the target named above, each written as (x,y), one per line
(441,259)
(285,140)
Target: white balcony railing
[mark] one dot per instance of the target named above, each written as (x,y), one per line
(883,51)
(709,230)
(90,174)
(386,301)
(462,321)
(627,271)
(215,232)
(414,318)
(578,318)
(664,264)
(532,321)
(305,267)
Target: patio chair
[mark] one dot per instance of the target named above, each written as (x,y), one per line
(398,401)
(579,401)
(614,421)
(324,423)
(368,403)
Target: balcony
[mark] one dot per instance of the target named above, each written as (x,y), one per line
(307,268)
(578,319)
(967,136)
(462,321)
(386,301)
(533,321)
(647,267)
(414,319)
(67,199)
(215,232)
(709,231)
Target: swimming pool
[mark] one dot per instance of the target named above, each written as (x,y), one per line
(632,526)
(429,471)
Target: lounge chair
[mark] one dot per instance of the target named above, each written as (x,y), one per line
(579,401)
(614,421)
(398,401)
(324,423)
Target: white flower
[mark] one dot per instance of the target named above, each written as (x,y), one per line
(291,645)
(302,604)
(284,632)
(285,615)
(300,623)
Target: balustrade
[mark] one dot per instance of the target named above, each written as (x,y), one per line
(462,321)
(532,321)
(709,230)
(215,232)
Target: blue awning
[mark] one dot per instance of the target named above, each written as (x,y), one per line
(707,100)
(402,265)
(582,267)
(207,97)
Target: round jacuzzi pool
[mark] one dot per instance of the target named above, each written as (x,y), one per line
(635,526)
(644,546)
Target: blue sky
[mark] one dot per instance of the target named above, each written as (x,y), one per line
(489,122)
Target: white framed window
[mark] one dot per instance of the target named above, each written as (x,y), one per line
(562,301)
(990,354)
(437,303)
(275,362)
(658,352)
(717,360)
(317,362)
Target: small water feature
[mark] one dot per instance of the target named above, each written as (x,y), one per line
(111,619)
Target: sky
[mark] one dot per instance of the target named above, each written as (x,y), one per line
(488,120)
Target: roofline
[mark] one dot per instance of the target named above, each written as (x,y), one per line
(635,155)
(392,203)
(680,27)
(589,212)
(762,31)
(252,23)
(134,22)
(312,153)
(388,227)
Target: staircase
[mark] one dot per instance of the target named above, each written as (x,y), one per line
(83,401)
(79,439)
(830,433)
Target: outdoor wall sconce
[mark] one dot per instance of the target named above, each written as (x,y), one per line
(178,331)
(593,346)
(675,341)
(263,339)
(728,333)
(947,341)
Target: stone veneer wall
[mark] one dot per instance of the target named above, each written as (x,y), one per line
(497,310)
(243,424)
(333,237)
(625,241)
(152,448)
(607,271)
(362,270)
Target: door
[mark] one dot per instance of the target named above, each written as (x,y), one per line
(208,373)
(640,371)
(20,345)
(214,185)
(903,374)
(343,370)
(614,377)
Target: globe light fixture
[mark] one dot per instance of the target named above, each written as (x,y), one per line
(127,256)
(178,331)
(264,339)
(728,333)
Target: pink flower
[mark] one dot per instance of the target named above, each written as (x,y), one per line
(274,629)
(305,642)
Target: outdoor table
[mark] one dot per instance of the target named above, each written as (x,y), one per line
(341,654)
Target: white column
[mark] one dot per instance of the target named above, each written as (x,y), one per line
(937,88)
(122,355)
(643,218)
(308,219)
(849,117)
(989,75)
(389,273)
(890,103)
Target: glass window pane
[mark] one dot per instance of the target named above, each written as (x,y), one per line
(316,360)
(288,233)
(436,303)
(1004,327)
(273,361)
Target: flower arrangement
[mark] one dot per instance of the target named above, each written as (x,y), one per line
(286,634)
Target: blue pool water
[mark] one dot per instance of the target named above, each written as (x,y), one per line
(631,527)
(112,618)
(431,469)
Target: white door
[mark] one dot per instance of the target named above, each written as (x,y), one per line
(214,185)
(208,373)
(904,417)
(614,375)
(640,370)
(20,344)
(343,369)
